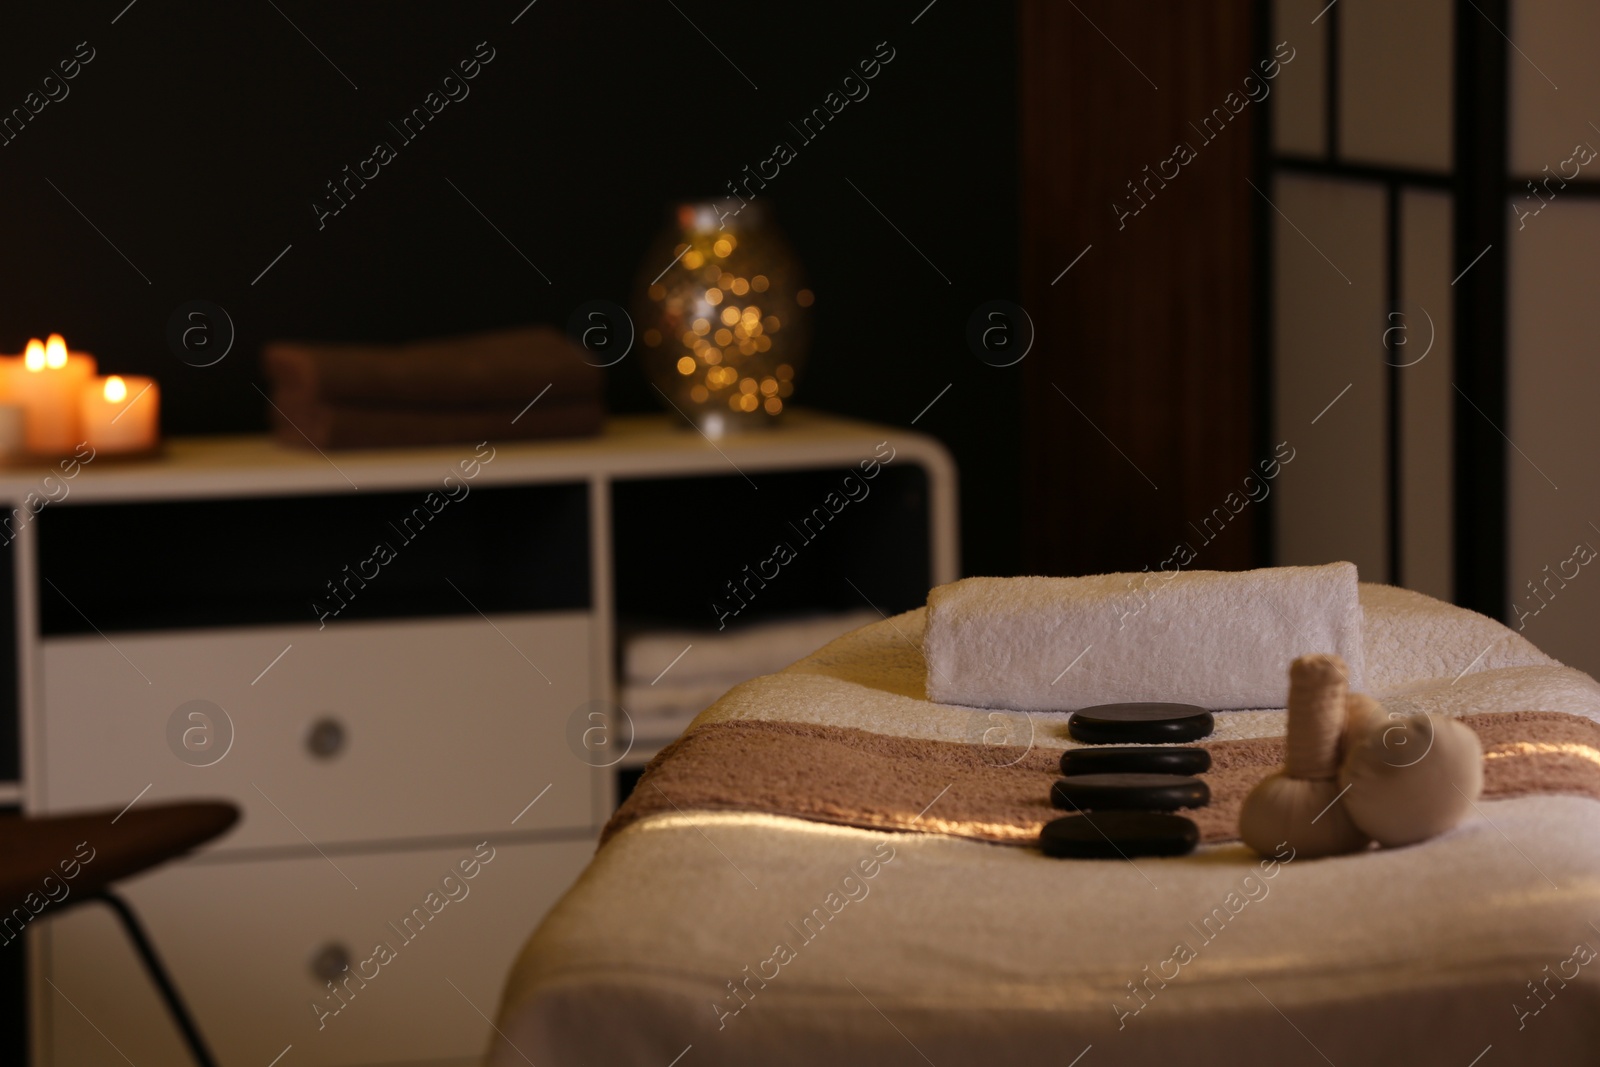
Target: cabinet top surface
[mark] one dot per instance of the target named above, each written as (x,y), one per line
(629,446)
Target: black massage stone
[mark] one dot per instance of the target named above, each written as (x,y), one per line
(1134,759)
(1119,834)
(1139,724)
(1129,792)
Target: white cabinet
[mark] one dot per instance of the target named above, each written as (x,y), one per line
(433,712)
(368,757)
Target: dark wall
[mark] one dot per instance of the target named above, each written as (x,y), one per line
(200,135)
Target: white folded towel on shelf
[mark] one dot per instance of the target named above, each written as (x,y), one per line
(733,655)
(1218,639)
(681,700)
(659,713)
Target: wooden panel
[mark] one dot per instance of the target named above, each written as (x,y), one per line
(1330,298)
(239,939)
(1555,436)
(449,726)
(1299,99)
(1139,395)
(1427,557)
(1555,47)
(1395,82)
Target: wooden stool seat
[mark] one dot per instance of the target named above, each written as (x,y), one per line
(38,847)
(51,862)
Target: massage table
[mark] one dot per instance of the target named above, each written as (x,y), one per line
(704,937)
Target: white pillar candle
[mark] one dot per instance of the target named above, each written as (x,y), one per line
(121,414)
(47,387)
(13,420)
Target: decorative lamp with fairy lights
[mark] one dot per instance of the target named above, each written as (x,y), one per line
(723,316)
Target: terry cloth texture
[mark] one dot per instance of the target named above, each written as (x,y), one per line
(1219,639)
(986,955)
(500,369)
(736,654)
(517,384)
(1001,793)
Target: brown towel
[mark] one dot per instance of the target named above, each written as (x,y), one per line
(842,775)
(501,369)
(359,427)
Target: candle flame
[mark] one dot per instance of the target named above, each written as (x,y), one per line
(55,351)
(116,389)
(33,358)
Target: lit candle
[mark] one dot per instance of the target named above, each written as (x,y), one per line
(13,442)
(13,418)
(80,366)
(121,414)
(47,387)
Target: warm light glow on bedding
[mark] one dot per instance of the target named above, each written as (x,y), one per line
(1544,748)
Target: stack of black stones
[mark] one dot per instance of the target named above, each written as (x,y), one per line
(1127,785)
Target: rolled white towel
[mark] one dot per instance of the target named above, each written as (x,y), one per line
(1219,639)
(733,655)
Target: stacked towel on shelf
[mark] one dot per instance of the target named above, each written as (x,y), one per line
(670,676)
(457,389)
(1218,639)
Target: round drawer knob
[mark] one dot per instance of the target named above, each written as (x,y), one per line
(330,962)
(326,739)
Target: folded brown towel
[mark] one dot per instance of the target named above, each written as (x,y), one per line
(487,370)
(1001,794)
(358,427)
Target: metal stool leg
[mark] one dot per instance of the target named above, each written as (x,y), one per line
(158,974)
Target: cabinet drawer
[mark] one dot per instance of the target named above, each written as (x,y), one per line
(240,939)
(359,732)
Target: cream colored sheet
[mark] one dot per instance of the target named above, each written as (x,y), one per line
(687,936)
